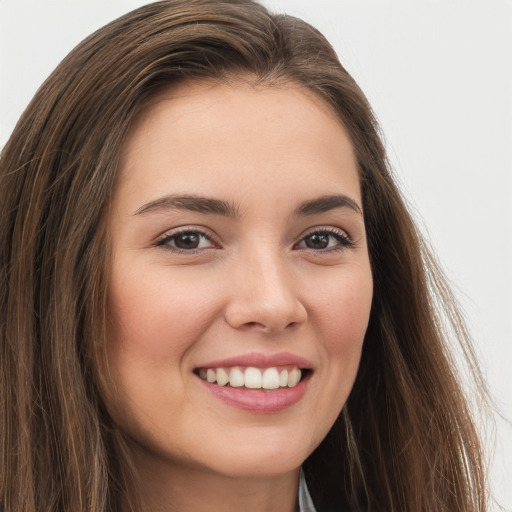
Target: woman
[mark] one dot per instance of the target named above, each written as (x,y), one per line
(212,293)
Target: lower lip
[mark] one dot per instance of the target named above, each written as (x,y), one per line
(258,400)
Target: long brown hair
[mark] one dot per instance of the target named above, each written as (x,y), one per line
(404,441)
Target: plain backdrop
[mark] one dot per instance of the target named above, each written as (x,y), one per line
(439,76)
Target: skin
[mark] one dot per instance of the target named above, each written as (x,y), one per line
(253,284)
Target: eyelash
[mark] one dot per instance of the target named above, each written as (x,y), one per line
(165,240)
(343,240)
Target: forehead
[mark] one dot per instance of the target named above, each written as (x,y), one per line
(242,87)
(237,131)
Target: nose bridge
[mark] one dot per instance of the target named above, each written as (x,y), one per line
(264,292)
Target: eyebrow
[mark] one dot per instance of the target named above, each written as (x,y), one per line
(326,203)
(190,203)
(209,205)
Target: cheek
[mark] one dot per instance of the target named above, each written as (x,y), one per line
(339,311)
(340,308)
(156,320)
(158,316)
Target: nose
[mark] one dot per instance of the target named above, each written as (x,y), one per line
(264,296)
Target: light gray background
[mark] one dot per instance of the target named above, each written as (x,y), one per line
(439,76)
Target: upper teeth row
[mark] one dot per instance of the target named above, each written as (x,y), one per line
(252,378)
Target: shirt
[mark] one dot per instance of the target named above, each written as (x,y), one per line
(305,501)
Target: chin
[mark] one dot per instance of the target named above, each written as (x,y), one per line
(262,459)
(259,468)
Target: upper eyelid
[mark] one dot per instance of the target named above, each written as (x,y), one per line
(185,229)
(206,231)
(215,239)
(161,240)
(345,240)
(326,228)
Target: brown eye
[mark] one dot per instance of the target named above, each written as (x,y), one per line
(187,240)
(326,240)
(317,241)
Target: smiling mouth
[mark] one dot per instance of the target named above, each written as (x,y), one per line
(269,379)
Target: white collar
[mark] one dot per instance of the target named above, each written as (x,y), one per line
(305,501)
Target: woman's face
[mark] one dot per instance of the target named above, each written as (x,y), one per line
(239,253)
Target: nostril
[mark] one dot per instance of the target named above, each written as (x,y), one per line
(252,325)
(268,327)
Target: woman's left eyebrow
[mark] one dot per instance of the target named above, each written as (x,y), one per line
(326,203)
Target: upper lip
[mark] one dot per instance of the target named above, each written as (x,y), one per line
(260,360)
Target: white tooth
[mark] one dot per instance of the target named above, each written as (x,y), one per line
(236,378)
(210,375)
(222,377)
(252,378)
(283,379)
(202,373)
(294,377)
(270,379)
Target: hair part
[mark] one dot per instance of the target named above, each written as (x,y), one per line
(404,440)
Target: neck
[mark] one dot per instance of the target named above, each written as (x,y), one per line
(163,486)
